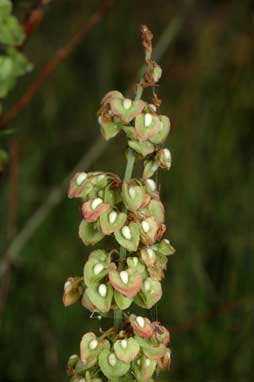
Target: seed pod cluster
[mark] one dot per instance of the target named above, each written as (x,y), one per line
(131,213)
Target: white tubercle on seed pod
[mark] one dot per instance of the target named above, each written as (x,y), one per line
(81,178)
(67,284)
(124,277)
(135,260)
(166,241)
(112,359)
(166,153)
(138,362)
(153,107)
(140,321)
(126,232)
(147,362)
(150,253)
(112,217)
(127,103)
(132,192)
(102,290)
(73,356)
(93,344)
(96,202)
(98,268)
(145,226)
(161,125)
(100,177)
(124,344)
(147,285)
(99,120)
(148,119)
(151,184)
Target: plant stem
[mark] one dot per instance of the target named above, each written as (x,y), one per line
(122,254)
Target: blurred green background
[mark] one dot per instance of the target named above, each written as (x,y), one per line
(207,90)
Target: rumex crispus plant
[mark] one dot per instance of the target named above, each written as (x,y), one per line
(130,211)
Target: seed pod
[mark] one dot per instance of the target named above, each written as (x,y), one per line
(149,294)
(133,195)
(111,95)
(123,302)
(141,326)
(152,350)
(147,125)
(128,236)
(89,233)
(148,255)
(165,248)
(161,334)
(164,159)
(130,131)
(148,230)
(111,366)
(127,282)
(165,361)
(73,290)
(101,296)
(93,209)
(90,347)
(156,209)
(112,221)
(86,303)
(143,368)
(80,185)
(126,109)
(72,362)
(143,148)
(135,264)
(126,349)
(109,129)
(95,270)
(156,270)
(150,168)
(163,132)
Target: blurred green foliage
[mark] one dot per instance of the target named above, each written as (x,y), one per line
(207,90)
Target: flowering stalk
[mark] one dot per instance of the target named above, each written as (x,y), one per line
(130,210)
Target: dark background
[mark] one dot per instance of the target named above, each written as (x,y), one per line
(207,90)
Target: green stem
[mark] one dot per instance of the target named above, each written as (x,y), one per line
(122,254)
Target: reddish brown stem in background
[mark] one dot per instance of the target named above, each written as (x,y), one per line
(51,66)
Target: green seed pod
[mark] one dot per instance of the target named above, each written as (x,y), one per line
(141,326)
(135,264)
(73,290)
(90,347)
(149,294)
(151,350)
(143,368)
(80,185)
(109,129)
(111,366)
(148,255)
(165,248)
(130,131)
(150,169)
(163,132)
(126,109)
(86,302)
(156,270)
(111,95)
(112,221)
(142,148)
(95,270)
(147,125)
(123,302)
(127,282)
(164,158)
(133,195)
(101,296)
(126,349)
(156,209)
(89,233)
(128,236)
(72,362)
